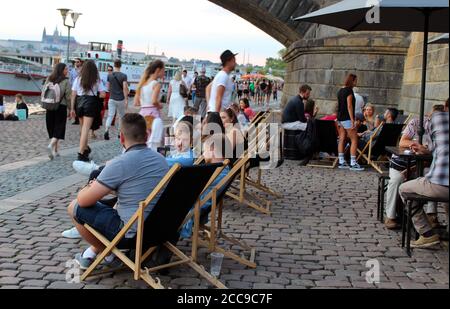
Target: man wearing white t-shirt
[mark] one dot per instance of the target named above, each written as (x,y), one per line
(222,86)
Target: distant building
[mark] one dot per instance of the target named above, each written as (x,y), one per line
(57,38)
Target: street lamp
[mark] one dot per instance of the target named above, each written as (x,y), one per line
(74,16)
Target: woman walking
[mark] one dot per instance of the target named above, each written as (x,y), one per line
(347,126)
(174,99)
(86,86)
(148,97)
(56,120)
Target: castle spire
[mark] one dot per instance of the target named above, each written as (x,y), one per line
(44,34)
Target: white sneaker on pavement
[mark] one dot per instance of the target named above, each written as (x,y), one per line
(71,234)
(85,168)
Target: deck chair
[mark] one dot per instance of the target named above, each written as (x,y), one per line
(388,135)
(180,190)
(239,190)
(212,236)
(403,119)
(328,143)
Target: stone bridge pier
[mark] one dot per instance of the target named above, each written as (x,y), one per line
(387,63)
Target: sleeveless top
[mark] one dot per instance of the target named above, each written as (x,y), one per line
(147,97)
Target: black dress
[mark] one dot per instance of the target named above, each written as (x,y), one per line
(57,120)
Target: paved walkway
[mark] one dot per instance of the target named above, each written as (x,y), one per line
(320,235)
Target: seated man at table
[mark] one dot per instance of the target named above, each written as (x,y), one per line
(397,174)
(132,175)
(294,113)
(435,183)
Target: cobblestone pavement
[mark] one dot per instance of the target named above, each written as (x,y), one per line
(320,234)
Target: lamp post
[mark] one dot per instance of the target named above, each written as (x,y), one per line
(74,16)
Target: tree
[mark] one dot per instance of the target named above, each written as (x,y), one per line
(277,65)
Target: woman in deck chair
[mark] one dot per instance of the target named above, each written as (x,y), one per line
(213,152)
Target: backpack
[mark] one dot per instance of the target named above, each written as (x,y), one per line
(306,141)
(51,96)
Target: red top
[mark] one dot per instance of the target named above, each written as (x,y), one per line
(330,118)
(249,113)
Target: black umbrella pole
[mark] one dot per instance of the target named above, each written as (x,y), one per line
(424,78)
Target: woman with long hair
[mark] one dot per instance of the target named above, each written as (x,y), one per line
(233,132)
(86,86)
(347,123)
(174,99)
(56,120)
(369,116)
(148,97)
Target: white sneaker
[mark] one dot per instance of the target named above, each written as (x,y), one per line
(71,234)
(85,168)
(50,152)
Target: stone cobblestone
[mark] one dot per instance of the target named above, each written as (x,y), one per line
(319,235)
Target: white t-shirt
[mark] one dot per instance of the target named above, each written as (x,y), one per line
(188,81)
(221,79)
(99,87)
(359,103)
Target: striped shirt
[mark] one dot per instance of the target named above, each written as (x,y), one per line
(439,171)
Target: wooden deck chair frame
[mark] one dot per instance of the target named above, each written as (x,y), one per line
(366,153)
(332,161)
(209,236)
(140,257)
(240,192)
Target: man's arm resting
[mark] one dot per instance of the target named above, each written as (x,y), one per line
(92,194)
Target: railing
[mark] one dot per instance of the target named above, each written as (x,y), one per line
(24,69)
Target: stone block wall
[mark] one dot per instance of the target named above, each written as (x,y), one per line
(378,59)
(437,75)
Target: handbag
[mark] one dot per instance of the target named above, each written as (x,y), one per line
(183,91)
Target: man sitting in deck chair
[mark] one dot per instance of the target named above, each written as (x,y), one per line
(389,116)
(133,176)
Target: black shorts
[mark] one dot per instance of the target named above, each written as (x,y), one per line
(240,93)
(88,106)
(246,92)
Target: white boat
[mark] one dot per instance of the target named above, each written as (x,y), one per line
(103,55)
(24,73)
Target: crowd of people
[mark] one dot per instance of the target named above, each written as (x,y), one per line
(259,90)
(358,122)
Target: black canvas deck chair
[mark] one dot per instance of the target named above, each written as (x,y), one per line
(403,119)
(180,190)
(328,143)
(212,237)
(388,135)
(239,191)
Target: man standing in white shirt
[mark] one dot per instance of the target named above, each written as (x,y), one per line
(187,80)
(359,107)
(222,86)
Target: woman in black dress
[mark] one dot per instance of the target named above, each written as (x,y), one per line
(56,120)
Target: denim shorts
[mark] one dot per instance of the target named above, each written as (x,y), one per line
(104,219)
(346,124)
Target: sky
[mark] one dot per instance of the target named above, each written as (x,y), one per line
(183,29)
